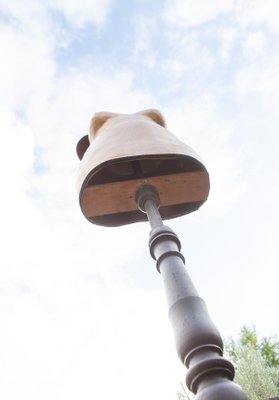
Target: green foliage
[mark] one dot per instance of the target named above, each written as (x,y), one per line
(248,336)
(269,349)
(257,363)
(253,375)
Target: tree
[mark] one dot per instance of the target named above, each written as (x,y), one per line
(257,363)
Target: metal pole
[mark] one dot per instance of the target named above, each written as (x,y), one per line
(198,342)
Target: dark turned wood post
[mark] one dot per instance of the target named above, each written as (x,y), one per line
(198,342)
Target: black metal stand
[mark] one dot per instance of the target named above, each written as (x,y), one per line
(198,342)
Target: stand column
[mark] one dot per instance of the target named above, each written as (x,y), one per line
(198,342)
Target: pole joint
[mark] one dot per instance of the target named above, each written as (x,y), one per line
(163,235)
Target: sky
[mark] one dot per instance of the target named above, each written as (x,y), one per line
(82,308)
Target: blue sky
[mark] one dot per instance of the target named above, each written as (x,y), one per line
(79,321)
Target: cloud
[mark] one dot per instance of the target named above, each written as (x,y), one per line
(186,55)
(146,31)
(82,12)
(27,66)
(181,13)
(17,151)
(229,37)
(255,13)
(259,75)
(247,13)
(77,13)
(16,161)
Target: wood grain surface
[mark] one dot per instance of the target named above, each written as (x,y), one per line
(118,197)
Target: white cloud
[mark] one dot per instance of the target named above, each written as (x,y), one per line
(254,46)
(81,12)
(146,32)
(256,12)
(31,12)
(181,13)
(144,29)
(229,36)
(78,13)
(17,148)
(259,75)
(27,65)
(17,215)
(189,13)
(186,55)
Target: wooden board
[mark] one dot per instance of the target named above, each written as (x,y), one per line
(117,197)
